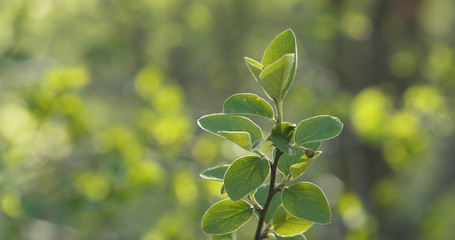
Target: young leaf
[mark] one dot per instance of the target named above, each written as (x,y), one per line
(226,216)
(316,129)
(281,135)
(296,237)
(302,165)
(284,43)
(258,144)
(254,67)
(307,201)
(215,173)
(216,123)
(245,175)
(248,105)
(242,139)
(274,78)
(261,195)
(287,225)
(286,161)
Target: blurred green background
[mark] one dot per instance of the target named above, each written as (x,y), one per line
(99,101)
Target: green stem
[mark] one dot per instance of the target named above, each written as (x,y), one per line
(279,110)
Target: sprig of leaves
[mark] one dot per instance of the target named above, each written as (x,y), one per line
(287,211)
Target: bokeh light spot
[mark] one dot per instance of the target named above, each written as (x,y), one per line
(16,122)
(11,204)
(199,17)
(205,149)
(369,109)
(356,26)
(351,210)
(185,188)
(402,64)
(148,82)
(94,186)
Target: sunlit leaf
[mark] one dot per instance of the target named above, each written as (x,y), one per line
(296,237)
(274,78)
(215,173)
(284,43)
(302,165)
(216,123)
(249,105)
(226,216)
(307,201)
(281,135)
(245,175)
(254,67)
(258,144)
(286,161)
(242,139)
(287,225)
(317,129)
(261,195)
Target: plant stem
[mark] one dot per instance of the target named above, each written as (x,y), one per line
(279,110)
(272,191)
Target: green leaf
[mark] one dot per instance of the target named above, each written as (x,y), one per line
(287,225)
(261,195)
(312,145)
(245,175)
(226,216)
(286,161)
(216,123)
(307,201)
(215,173)
(258,144)
(296,237)
(274,78)
(242,139)
(284,43)
(227,236)
(281,135)
(302,165)
(317,129)
(249,105)
(254,67)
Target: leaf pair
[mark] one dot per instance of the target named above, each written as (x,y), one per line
(234,125)
(302,205)
(238,129)
(245,175)
(300,143)
(277,70)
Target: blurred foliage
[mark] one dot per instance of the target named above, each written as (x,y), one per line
(98,101)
